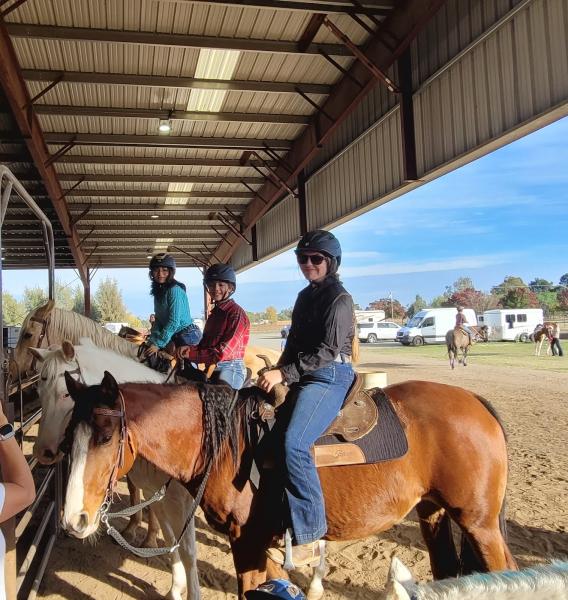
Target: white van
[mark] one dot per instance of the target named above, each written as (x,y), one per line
(430,325)
(512,324)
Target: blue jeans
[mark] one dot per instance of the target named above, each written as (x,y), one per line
(317,399)
(190,336)
(232,372)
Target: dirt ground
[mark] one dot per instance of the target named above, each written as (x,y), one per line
(532,405)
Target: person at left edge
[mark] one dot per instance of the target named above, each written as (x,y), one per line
(173,322)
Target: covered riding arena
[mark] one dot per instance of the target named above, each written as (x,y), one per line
(222,131)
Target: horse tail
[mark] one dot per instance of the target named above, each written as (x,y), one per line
(493,412)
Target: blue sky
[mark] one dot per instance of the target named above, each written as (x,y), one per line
(504,214)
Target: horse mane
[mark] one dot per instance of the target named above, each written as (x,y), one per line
(550,580)
(65,321)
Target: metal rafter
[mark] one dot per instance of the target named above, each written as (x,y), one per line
(276,87)
(85,34)
(15,90)
(157,178)
(154,160)
(367,7)
(403,24)
(157,208)
(101,139)
(180,115)
(157,194)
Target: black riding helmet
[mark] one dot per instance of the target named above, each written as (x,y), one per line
(322,241)
(163,260)
(220,272)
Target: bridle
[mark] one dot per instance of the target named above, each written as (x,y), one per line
(43,334)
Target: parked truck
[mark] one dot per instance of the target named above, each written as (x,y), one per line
(430,325)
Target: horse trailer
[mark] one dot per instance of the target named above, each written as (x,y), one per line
(430,325)
(512,324)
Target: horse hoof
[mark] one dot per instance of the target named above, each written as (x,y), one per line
(315,594)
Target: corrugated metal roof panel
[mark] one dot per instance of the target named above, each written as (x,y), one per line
(279,227)
(157,170)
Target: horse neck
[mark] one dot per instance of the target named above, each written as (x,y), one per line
(66,324)
(165,425)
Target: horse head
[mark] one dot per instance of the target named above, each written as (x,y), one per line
(33,334)
(56,403)
(100,452)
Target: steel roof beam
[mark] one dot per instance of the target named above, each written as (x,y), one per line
(403,25)
(179,115)
(180,219)
(101,139)
(157,178)
(277,87)
(157,160)
(157,194)
(153,230)
(156,208)
(18,97)
(367,7)
(151,38)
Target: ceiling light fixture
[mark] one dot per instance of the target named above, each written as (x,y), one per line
(154,216)
(165,126)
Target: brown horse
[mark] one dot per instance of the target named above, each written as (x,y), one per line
(457,340)
(455,468)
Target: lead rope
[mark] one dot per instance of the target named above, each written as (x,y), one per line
(151,552)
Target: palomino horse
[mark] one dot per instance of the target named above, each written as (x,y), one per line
(51,325)
(544,334)
(542,582)
(87,363)
(455,468)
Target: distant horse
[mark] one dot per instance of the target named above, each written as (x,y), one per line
(544,334)
(51,325)
(457,340)
(87,362)
(455,468)
(542,582)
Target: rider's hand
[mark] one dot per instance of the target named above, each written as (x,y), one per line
(269,379)
(181,351)
(149,350)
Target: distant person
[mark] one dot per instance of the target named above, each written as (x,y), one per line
(152,320)
(17,489)
(172,324)
(284,336)
(555,341)
(461,322)
(226,332)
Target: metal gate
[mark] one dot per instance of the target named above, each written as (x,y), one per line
(31,535)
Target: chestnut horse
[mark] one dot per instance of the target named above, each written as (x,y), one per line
(455,468)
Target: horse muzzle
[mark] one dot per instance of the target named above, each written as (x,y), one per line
(78,524)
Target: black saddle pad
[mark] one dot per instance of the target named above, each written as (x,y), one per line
(386,441)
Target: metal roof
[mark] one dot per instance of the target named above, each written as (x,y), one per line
(240,83)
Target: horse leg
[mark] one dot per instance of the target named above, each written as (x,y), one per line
(151,539)
(436,528)
(315,591)
(464,361)
(129,532)
(178,586)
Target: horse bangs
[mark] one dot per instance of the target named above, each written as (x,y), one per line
(50,366)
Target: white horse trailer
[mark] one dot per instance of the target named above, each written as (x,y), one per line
(512,324)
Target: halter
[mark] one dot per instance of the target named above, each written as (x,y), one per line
(43,334)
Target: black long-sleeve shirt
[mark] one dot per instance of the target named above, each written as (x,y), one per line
(322,328)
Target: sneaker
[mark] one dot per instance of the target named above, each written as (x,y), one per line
(302,556)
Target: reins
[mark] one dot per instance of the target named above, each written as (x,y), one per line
(106,516)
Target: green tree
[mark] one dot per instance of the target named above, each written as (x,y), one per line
(271,314)
(508,283)
(562,298)
(460,284)
(519,297)
(34,297)
(13,311)
(109,302)
(285,314)
(438,301)
(418,304)
(63,294)
(540,285)
(564,280)
(548,301)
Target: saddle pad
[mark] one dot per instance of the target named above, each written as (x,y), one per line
(386,441)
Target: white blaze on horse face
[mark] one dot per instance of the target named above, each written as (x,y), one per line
(76,519)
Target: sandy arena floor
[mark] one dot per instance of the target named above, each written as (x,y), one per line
(532,405)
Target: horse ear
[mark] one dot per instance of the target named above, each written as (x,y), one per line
(73,387)
(396,591)
(68,350)
(109,388)
(399,571)
(39,353)
(46,308)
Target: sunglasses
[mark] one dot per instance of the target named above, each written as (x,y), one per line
(315,259)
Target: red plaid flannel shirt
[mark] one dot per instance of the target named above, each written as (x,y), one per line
(225,336)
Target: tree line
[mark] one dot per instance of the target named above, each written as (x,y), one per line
(107,304)
(513,292)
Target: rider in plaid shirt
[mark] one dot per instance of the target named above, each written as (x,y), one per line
(226,332)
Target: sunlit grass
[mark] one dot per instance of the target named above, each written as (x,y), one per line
(493,353)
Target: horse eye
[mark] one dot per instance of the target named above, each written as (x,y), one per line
(27,335)
(105,438)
